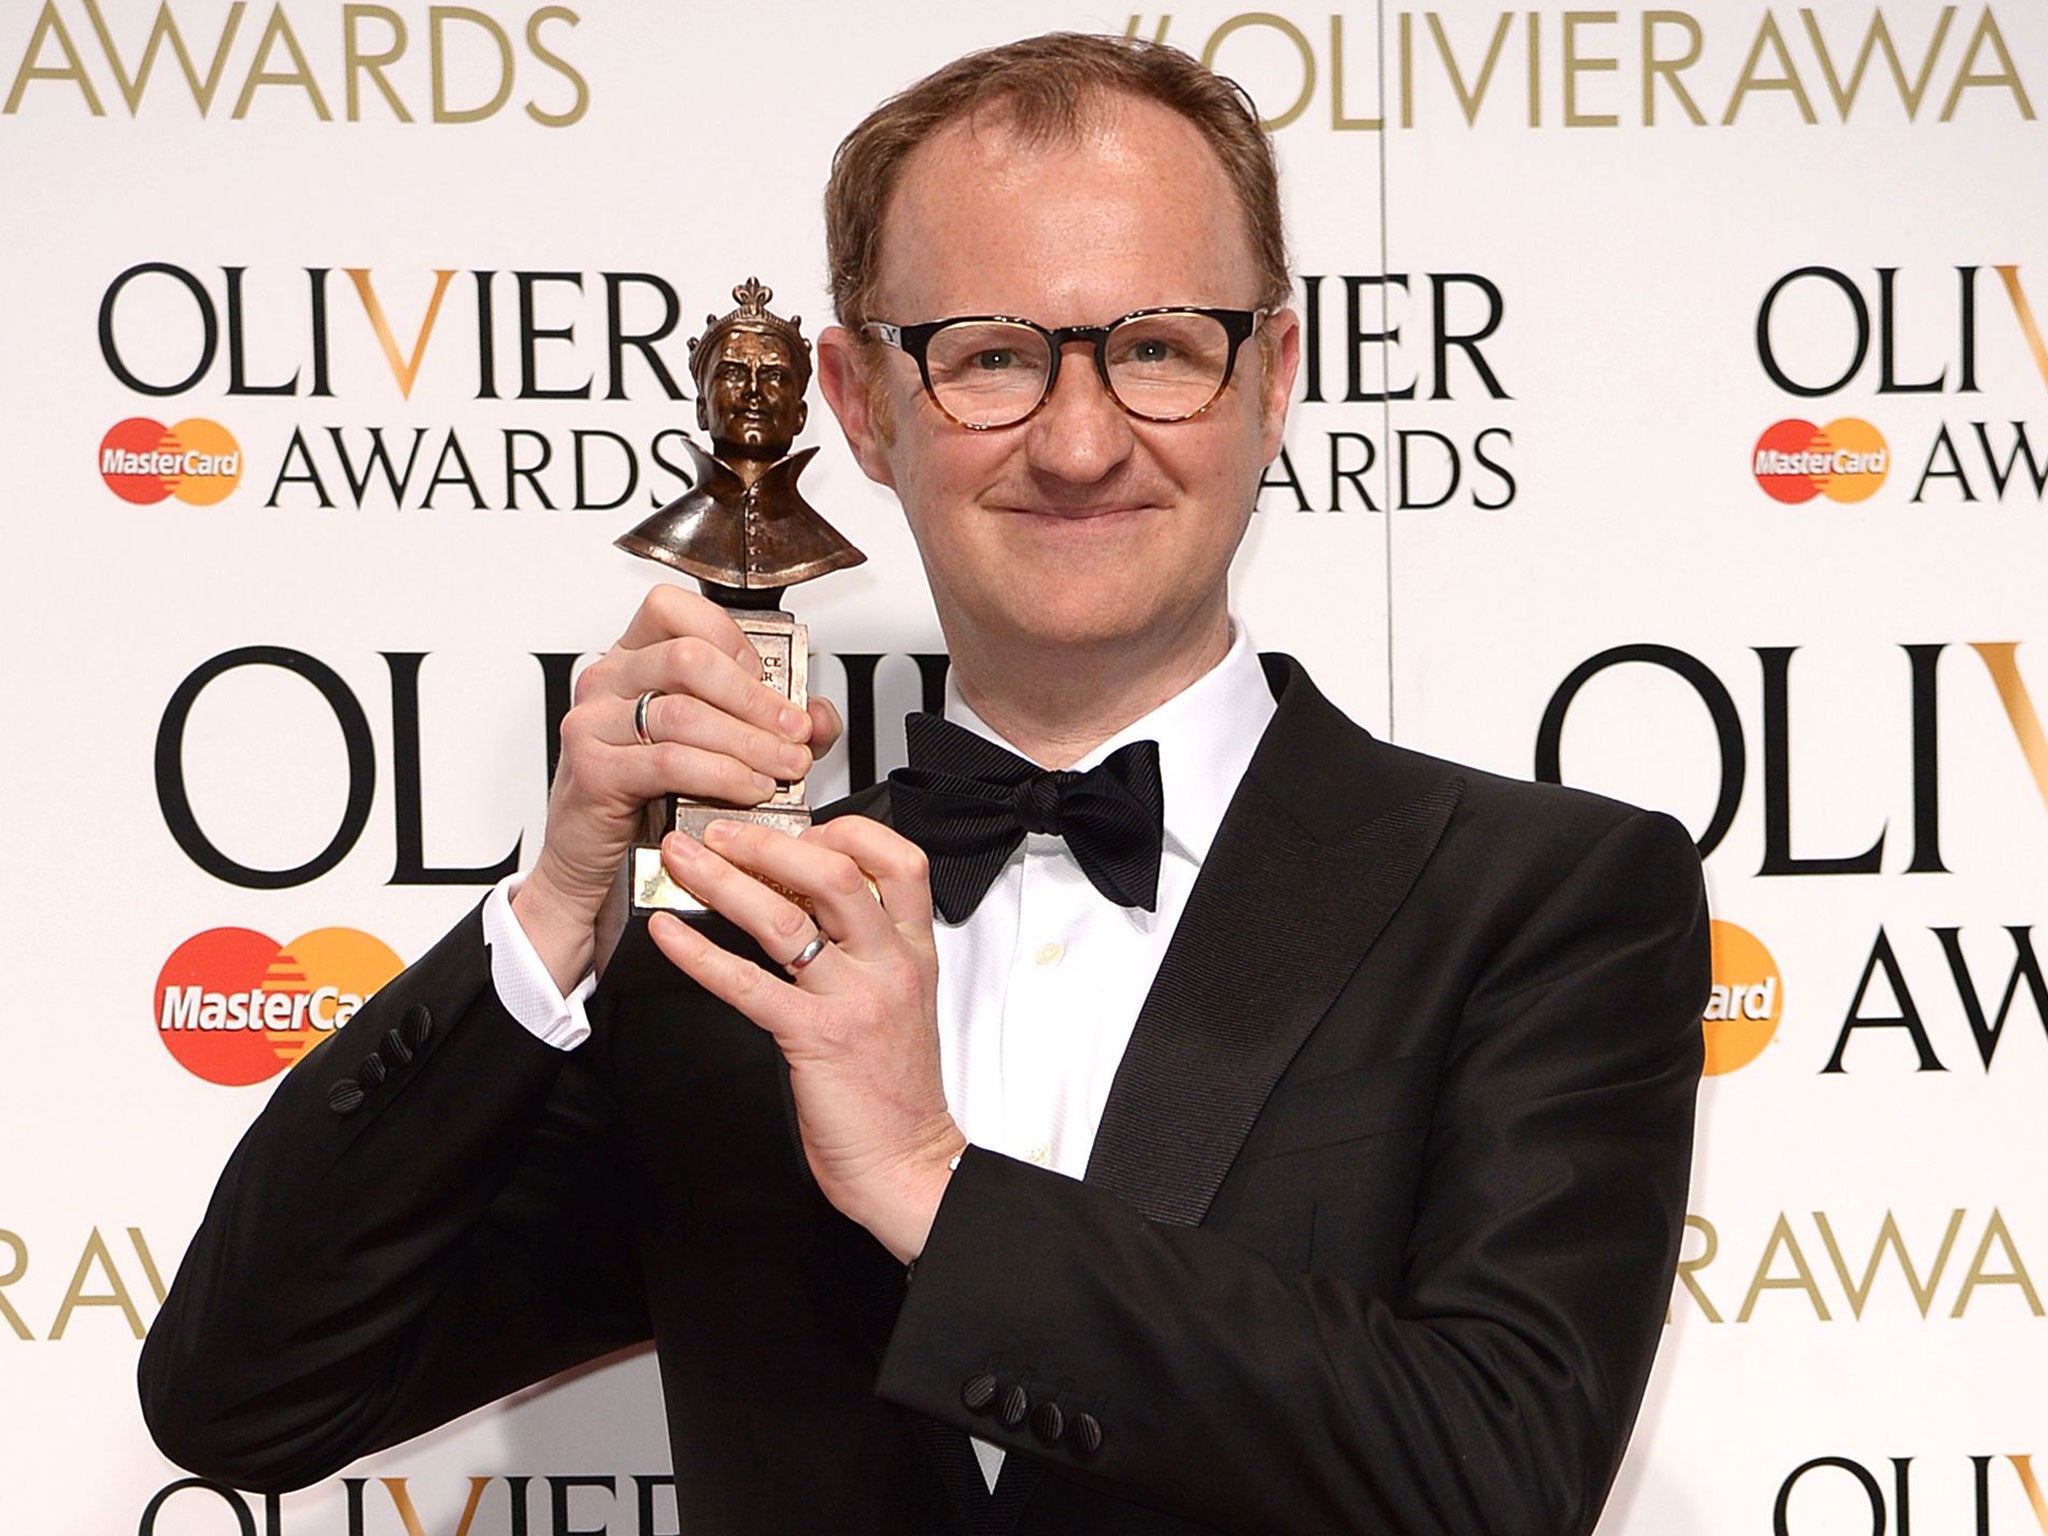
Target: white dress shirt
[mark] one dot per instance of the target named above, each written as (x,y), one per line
(1040,987)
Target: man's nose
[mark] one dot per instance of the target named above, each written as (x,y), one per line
(1080,433)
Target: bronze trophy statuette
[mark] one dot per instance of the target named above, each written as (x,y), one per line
(744,530)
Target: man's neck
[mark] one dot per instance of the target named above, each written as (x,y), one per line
(1058,704)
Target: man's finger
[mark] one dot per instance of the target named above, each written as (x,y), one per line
(723,877)
(692,722)
(836,887)
(667,612)
(896,864)
(769,1001)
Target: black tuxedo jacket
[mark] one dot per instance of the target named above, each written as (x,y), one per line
(1376,1235)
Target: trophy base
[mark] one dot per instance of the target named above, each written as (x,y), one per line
(626,958)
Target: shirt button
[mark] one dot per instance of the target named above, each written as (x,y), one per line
(1049,953)
(1040,1154)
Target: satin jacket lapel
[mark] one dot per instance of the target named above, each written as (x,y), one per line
(1319,847)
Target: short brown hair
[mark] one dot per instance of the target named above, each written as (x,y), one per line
(1045,87)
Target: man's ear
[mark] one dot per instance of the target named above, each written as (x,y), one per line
(1280,358)
(843,376)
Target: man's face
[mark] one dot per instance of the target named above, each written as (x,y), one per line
(752,395)
(1082,526)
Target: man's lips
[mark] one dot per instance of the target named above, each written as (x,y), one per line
(1090,513)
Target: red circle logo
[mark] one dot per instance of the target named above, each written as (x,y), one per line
(143,461)
(234,1006)
(1795,461)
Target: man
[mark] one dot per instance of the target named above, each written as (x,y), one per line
(1381,1085)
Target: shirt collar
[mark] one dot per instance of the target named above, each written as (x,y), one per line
(1207,734)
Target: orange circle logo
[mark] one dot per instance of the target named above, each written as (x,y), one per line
(236,1007)
(1846,460)
(143,461)
(1746,1002)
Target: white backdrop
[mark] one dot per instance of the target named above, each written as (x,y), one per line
(1585,261)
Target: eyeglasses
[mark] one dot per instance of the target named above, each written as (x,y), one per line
(991,371)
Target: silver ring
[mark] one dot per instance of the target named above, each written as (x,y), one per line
(806,955)
(640,716)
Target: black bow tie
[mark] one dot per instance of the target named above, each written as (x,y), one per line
(967,803)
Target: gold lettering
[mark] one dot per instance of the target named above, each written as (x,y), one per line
(568,71)
(404,370)
(167,27)
(1787,79)
(1669,68)
(1535,70)
(1469,101)
(1979,1275)
(301,74)
(409,1517)
(76,1296)
(2010,276)
(355,62)
(1158,31)
(438,17)
(2006,75)
(1764,1280)
(48,25)
(1574,66)
(1710,1244)
(148,1262)
(2001,660)
(1888,1234)
(1878,36)
(2024,1465)
(1286,29)
(15,1271)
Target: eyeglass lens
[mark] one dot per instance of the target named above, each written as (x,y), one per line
(990,373)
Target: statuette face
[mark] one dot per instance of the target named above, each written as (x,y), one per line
(750,395)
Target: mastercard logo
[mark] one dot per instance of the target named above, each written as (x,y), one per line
(1846,460)
(1746,1002)
(236,1007)
(143,461)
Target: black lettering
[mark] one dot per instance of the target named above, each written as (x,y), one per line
(316,308)
(1942,443)
(2038,473)
(1720,709)
(1404,459)
(1340,476)
(1312,337)
(667,465)
(860,717)
(530,473)
(1887,342)
(462,477)
(1767,355)
(1507,479)
(1779,1522)
(2025,967)
(618,338)
(645,1488)
(559,1489)
(170,768)
(238,383)
(583,501)
(245,1521)
(531,334)
(1926,763)
(296,450)
(1907,1018)
(486,341)
(1356,337)
(1778,857)
(411,867)
(209,324)
(1465,341)
(1285,466)
(378,458)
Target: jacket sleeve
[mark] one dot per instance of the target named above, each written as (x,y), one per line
(1492,1389)
(423,1218)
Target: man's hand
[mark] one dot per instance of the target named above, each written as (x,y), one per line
(719,733)
(858,1024)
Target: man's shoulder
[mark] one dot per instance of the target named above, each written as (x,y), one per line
(1491,809)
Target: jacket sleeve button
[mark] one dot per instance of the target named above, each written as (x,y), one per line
(1085,1433)
(345,1097)
(1015,1404)
(1047,1422)
(394,1050)
(371,1072)
(979,1392)
(417,1024)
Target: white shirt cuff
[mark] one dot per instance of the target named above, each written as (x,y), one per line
(525,988)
